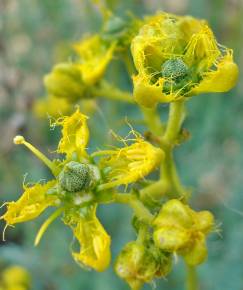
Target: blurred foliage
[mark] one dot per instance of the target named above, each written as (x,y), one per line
(36,34)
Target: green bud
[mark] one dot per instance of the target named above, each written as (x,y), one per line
(174,69)
(115,25)
(65,81)
(77,176)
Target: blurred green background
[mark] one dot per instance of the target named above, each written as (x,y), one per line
(35,34)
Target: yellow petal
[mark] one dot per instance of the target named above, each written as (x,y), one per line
(222,79)
(95,57)
(94,241)
(75,134)
(131,163)
(30,205)
(148,95)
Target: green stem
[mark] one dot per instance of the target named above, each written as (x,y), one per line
(153,121)
(143,233)
(139,209)
(169,174)
(155,191)
(111,92)
(168,168)
(192,279)
(176,118)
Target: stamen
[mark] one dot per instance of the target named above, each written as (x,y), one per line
(20,140)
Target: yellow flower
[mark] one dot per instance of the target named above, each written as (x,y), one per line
(94,241)
(52,106)
(72,190)
(130,163)
(75,188)
(95,55)
(180,229)
(178,57)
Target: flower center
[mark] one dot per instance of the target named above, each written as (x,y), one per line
(174,69)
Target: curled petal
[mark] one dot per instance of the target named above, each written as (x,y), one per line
(129,164)
(222,79)
(30,205)
(95,57)
(148,95)
(75,134)
(94,241)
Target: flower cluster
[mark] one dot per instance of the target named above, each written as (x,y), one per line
(176,58)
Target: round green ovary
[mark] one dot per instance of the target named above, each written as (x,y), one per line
(174,69)
(74,177)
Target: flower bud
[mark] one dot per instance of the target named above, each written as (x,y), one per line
(180,229)
(114,27)
(136,265)
(65,81)
(121,30)
(78,176)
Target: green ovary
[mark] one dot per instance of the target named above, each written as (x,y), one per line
(175,69)
(75,177)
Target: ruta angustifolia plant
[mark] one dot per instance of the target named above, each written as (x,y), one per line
(175,58)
